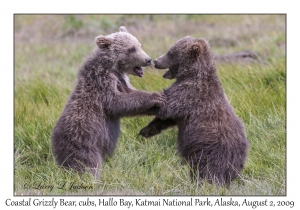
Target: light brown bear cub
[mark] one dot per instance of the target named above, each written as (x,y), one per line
(211,138)
(89,127)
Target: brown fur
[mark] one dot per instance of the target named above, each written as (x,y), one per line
(211,138)
(89,126)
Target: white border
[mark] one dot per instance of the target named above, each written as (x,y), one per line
(87,6)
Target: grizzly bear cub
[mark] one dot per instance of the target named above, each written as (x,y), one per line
(89,127)
(211,138)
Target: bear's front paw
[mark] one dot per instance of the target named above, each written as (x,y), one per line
(158,99)
(149,131)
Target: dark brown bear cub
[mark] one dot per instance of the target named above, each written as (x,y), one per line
(89,126)
(211,138)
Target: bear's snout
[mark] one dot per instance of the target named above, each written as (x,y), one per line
(148,61)
(159,64)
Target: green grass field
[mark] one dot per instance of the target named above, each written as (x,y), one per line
(48,52)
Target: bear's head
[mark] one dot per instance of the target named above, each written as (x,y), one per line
(125,51)
(185,51)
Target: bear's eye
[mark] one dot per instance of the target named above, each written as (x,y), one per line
(170,53)
(131,50)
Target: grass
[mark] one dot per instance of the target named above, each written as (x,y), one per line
(47,57)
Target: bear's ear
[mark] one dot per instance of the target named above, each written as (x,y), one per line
(103,42)
(198,47)
(123,29)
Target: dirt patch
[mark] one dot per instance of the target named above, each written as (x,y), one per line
(246,56)
(218,42)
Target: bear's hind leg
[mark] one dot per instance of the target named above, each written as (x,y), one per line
(84,162)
